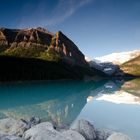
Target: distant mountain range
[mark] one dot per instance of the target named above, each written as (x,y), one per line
(118,64)
(119,58)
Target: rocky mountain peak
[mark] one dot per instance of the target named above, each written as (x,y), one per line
(38,38)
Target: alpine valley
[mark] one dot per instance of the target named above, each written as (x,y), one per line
(118,64)
(37,54)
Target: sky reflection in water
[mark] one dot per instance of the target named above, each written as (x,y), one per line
(105,103)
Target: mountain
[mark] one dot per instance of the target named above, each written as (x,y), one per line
(119,58)
(118,64)
(132,66)
(106,67)
(40,43)
(37,54)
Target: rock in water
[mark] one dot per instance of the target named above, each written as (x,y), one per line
(86,129)
(11,126)
(118,136)
(43,131)
(73,135)
(33,121)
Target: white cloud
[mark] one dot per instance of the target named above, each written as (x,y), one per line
(41,17)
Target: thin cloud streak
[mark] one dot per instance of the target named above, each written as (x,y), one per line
(41,17)
(68,8)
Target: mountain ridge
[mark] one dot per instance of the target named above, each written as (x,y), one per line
(39,40)
(132,66)
(125,64)
(37,54)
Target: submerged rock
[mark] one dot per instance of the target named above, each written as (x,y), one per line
(11,126)
(119,136)
(86,129)
(33,121)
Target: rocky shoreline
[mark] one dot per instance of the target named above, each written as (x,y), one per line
(35,129)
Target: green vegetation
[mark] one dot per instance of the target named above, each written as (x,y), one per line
(132,67)
(23,52)
(50,55)
(28,52)
(34,51)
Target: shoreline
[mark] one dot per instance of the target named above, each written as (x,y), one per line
(61,80)
(35,129)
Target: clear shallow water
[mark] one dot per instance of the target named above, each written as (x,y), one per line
(105,103)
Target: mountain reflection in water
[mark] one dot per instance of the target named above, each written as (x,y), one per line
(115,109)
(57,101)
(108,104)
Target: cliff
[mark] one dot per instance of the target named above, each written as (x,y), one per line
(37,43)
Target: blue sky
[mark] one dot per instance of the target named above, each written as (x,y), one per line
(98,27)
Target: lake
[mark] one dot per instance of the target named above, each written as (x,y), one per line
(107,104)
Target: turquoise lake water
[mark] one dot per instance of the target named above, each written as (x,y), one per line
(107,104)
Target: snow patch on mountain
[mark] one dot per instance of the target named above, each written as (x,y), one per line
(109,64)
(119,58)
(106,67)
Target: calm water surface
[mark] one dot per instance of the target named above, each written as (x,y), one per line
(107,104)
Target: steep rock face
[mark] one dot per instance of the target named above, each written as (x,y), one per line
(67,49)
(8,34)
(3,40)
(41,40)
